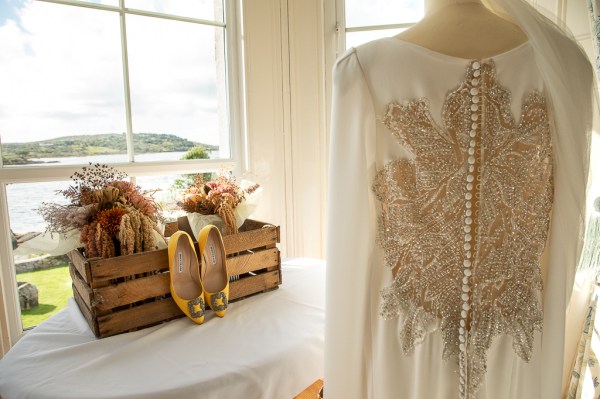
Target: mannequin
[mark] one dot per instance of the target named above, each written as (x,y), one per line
(464,29)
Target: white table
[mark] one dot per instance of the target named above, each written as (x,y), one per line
(267,346)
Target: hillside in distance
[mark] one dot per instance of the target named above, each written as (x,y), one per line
(97,144)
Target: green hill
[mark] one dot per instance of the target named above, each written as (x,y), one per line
(97,144)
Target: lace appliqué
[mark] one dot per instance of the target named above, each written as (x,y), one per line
(477,193)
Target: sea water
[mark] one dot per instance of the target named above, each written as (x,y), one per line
(25,198)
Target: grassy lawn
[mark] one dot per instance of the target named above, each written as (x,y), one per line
(54,287)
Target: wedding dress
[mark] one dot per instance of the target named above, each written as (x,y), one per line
(453,230)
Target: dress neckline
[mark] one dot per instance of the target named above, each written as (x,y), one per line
(451,58)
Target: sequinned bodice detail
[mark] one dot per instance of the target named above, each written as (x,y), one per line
(464,220)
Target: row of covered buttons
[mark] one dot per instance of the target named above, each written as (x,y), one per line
(468,221)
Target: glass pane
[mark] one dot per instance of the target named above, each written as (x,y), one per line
(62,86)
(382,12)
(103,2)
(354,39)
(211,10)
(178,89)
(43,281)
(170,189)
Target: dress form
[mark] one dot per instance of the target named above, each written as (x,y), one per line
(464,29)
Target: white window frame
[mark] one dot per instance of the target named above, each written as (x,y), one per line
(341,29)
(10,322)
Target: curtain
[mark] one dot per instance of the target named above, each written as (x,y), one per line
(594,6)
(585,377)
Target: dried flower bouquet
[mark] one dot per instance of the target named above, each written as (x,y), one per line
(222,198)
(114,216)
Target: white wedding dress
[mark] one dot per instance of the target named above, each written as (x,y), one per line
(442,188)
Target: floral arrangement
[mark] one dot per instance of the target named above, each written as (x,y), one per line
(217,197)
(114,216)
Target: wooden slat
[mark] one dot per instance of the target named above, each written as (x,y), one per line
(86,312)
(128,265)
(183,224)
(170,229)
(276,266)
(251,224)
(252,234)
(249,262)
(81,287)
(81,264)
(138,316)
(253,284)
(312,392)
(250,240)
(131,291)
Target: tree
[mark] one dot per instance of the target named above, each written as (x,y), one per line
(197,152)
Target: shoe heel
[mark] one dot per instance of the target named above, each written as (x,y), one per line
(213,269)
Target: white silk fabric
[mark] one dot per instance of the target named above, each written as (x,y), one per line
(363,358)
(267,346)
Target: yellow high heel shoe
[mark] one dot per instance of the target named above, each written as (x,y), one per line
(186,286)
(213,269)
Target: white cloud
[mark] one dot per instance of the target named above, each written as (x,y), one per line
(62,74)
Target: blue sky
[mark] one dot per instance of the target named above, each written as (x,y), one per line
(9,10)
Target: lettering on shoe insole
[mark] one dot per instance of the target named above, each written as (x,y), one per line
(180,261)
(213,257)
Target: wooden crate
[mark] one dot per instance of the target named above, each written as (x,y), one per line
(131,292)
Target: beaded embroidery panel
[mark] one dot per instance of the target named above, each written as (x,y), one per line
(464,223)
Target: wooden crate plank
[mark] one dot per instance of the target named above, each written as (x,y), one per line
(138,316)
(252,234)
(85,292)
(253,284)
(312,392)
(183,224)
(251,224)
(170,229)
(250,240)
(276,266)
(128,265)
(249,262)
(81,264)
(132,291)
(86,312)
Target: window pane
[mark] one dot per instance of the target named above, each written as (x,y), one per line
(103,2)
(62,85)
(382,12)
(354,39)
(170,189)
(211,10)
(178,89)
(40,277)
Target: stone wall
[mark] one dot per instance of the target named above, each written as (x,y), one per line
(43,262)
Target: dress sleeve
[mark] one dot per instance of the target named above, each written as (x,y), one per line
(350,233)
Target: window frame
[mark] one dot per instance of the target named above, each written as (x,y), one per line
(11,325)
(342,29)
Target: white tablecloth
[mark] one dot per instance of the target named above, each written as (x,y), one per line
(267,346)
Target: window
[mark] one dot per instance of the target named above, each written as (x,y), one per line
(366,20)
(136,84)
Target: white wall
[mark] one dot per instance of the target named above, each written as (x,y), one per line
(575,15)
(286,111)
